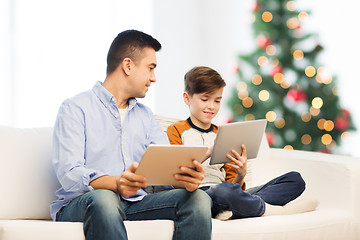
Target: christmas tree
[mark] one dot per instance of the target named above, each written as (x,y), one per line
(282,81)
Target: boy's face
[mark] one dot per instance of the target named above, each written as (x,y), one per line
(203,107)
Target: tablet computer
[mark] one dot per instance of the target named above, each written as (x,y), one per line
(161,162)
(233,135)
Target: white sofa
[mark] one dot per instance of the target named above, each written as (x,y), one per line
(28,185)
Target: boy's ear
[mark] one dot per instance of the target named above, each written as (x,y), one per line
(186,98)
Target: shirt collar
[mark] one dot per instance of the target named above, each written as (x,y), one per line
(199,129)
(107,98)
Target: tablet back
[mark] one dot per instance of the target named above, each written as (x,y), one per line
(232,135)
(161,162)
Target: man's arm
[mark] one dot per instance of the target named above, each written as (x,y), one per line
(126,185)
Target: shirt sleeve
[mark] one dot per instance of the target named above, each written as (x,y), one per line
(231,174)
(68,159)
(174,135)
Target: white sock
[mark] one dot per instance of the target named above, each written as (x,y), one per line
(298,205)
(225,215)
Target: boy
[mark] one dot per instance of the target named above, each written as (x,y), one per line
(224,183)
(100,136)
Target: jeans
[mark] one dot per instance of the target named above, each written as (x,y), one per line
(251,202)
(103,213)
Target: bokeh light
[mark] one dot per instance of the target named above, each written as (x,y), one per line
(271,116)
(310,71)
(317,102)
(267,16)
(257,79)
(264,95)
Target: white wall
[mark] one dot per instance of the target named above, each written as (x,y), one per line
(51,50)
(205,32)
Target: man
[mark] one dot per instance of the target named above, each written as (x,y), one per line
(99,138)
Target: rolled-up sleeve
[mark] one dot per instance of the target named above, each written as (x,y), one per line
(69,150)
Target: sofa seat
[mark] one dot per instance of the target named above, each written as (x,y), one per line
(329,224)
(28,184)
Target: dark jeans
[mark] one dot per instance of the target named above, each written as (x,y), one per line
(251,202)
(103,213)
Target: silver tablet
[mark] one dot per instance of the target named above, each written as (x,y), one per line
(233,135)
(161,162)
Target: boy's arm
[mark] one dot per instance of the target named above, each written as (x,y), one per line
(174,135)
(231,175)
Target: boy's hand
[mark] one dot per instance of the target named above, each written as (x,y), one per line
(239,163)
(129,182)
(189,177)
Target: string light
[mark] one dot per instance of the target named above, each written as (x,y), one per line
(291,6)
(323,76)
(314,111)
(285,85)
(267,16)
(264,95)
(249,117)
(344,135)
(317,102)
(303,16)
(279,123)
(257,79)
(242,90)
(247,102)
(306,139)
(271,116)
(306,117)
(271,50)
(292,23)
(298,55)
(335,90)
(262,61)
(310,71)
(289,147)
(326,139)
(329,125)
(320,123)
(278,78)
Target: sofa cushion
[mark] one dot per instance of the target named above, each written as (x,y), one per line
(27,180)
(330,224)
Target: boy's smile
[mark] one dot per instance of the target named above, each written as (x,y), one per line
(203,107)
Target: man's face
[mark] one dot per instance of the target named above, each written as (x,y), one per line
(143,73)
(203,107)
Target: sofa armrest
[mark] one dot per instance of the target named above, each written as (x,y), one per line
(333,179)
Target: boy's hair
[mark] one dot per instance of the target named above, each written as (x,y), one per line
(202,80)
(128,44)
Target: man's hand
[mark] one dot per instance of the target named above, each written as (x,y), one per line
(191,178)
(239,163)
(129,183)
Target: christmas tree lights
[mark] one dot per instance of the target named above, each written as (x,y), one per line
(282,82)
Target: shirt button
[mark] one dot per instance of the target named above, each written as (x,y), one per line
(113,99)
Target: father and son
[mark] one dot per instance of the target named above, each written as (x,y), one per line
(101,135)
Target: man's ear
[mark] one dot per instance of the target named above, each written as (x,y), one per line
(127,65)
(186,98)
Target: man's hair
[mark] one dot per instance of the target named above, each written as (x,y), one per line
(129,44)
(202,80)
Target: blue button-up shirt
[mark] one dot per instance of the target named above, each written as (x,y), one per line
(89,141)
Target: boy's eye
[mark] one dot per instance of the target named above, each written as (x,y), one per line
(203,99)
